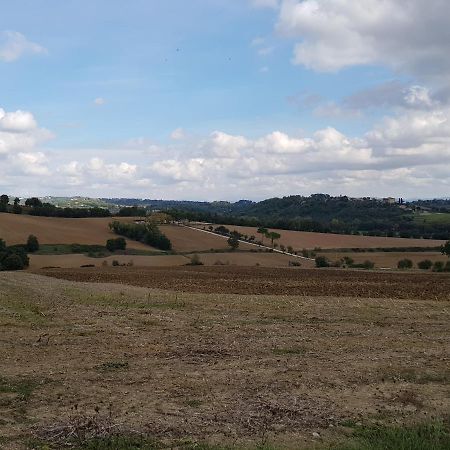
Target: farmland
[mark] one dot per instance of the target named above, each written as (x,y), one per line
(301,239)
(297,366)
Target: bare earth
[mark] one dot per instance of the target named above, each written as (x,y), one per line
(15,229)
(238,369)
(301,239)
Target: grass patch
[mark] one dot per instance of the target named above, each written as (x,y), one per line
(93,251)
(22,388)
(193,403)
(431,436)
(433,218)
(408,375)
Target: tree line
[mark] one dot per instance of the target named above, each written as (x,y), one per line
(35,207)
(147,233)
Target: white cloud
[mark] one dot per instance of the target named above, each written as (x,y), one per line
(178,134)
(411,36)
(14,45)
(99,101)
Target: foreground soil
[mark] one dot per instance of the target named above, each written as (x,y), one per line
(239,369)
(270,281)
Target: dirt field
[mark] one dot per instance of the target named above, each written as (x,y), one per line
(388,259)
(75,261)
(273,281)
(248,259)
(15,229)
(188,240)
(300,240)
(243,370)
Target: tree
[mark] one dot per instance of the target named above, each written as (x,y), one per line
(445,249)
(273,236)
(425,264)
(17,209)
(12,262)
(321,261)
(4,200)
(116,244)
(405,264)
(33,202)
(32,244)
(263,232)
(233,242)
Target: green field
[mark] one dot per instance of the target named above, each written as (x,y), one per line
(433,218)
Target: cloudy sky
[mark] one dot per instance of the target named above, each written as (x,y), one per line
(225,99)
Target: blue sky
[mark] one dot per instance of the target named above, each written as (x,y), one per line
(224,99)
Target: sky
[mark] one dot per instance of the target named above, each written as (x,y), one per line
(225,99)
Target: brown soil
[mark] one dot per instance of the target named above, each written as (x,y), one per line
(301,239)
(222,368)
(15,229)
(270,281)
(187,240)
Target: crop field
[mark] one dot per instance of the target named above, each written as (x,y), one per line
(301,239)
(15,229)
(299,366)
(273,281)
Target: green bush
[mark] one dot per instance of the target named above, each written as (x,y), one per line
(405,264)
(116,244)
(14,258)
(438,266)
(426,264)
(32,244)
(321,261)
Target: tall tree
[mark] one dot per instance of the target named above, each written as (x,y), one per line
(263,232)
(273,236)
(445,249)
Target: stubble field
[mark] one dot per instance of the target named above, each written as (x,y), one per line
(299,370)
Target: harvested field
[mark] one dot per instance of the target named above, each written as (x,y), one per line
(229,369)
(387,259)
(15,229)
(74,261)
(273,281)
(301,239)
(245,259)
(187,240)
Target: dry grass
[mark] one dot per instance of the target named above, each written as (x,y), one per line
(236,369)
(15,229)
(301,239)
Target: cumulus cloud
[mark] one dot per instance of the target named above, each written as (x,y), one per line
(409,36)
(99,101)
(14,45)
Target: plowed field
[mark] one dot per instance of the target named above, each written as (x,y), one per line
(271,281)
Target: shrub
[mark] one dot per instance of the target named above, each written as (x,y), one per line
(405,264)
(14,258)
(321,261)
(425,264)
(2,245)
(115,263)
(32,244)
(12,262)
(116,244)
(294,264)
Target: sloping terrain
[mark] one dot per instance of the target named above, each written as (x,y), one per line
(15,229)
(302,239)
(293,371)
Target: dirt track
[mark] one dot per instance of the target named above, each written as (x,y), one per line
(271,281)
